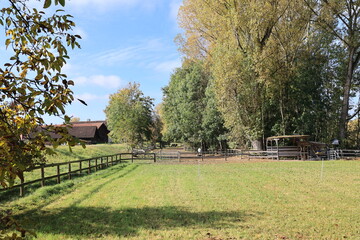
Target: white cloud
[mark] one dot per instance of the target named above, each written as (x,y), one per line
(110,81)
(109,5)
(174,9)
(107,81)
(145,51)
(80,80)
(168,66)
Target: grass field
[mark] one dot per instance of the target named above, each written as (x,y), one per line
(78,152)
(64,155)
(249,200)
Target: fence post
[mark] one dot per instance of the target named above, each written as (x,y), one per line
(80,167)
(132,157)
(101,163)
(179,157)
(89,169)
(107,161)
(22,189)
(154,157)
(69,173)
(225,154)
(120,157)
(42,175)
(96,164)
(58,173)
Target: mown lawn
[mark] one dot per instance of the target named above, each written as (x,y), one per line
(263,200)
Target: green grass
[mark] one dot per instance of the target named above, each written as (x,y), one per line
(64,155)
(78,152)
(264,200)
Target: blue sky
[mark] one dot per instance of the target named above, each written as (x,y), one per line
(123,41)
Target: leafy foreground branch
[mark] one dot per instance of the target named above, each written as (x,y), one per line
(32,84)
(8,222)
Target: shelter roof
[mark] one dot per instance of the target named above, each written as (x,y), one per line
(288,136)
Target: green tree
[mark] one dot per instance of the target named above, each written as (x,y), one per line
(250,52)
(189,106)
(32,84)
(341,18)
(183,104)
(213,126)
(129,116)
(157,126)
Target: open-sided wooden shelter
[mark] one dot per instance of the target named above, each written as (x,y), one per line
(295,147)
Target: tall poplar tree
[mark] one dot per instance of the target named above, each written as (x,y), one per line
(250,51)
(189,108)
(341,18)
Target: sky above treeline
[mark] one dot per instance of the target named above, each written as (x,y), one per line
(122,41)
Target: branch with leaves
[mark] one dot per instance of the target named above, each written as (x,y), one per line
(32,84)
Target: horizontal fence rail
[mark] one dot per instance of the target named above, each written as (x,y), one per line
(86,166)
(345,153)
(193,155)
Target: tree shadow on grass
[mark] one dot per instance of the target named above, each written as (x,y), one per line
(78,222)
(113,171)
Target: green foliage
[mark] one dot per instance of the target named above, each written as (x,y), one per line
(157,126)
(183,104)
(32,84)
(341,19)
(278,69)
(214,133)
(244,46)
(129,116)
(310,100)
(189,110)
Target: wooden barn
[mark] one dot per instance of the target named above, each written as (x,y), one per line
(91,132)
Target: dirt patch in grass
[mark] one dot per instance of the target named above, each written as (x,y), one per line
(219,160)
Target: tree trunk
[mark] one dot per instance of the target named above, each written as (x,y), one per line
(346,96)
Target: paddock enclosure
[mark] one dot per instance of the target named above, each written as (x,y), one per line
(57,172)
(242,200)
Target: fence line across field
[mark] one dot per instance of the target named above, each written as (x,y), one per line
(94,164)
(84,165)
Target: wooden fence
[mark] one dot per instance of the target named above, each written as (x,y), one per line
(80,166)
(188,155)
(344,154)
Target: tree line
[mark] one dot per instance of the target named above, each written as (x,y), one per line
(250,72)
(287,67)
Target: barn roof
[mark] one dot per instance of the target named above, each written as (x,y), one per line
(88,123)
(83,131)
